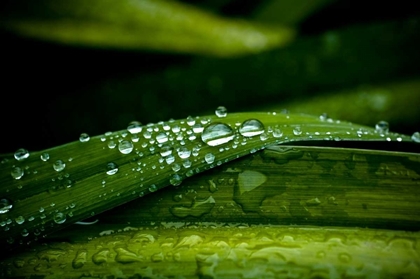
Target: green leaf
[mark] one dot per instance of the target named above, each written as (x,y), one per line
(141,25)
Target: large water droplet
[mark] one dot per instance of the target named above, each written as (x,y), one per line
(382,127)
(21,154)
(134,127)
(251,127)
(221,111)
(84,137)
(17,173)
(45,156)
(209,158)
(5,205)
(59,165)
(216,134)
(59,218)
(416,137)
(162,138)
(125,147)
(111,168)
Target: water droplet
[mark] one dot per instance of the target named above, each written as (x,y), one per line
(198,128)
(297,131)
(209,157)
(45,156)
(184,152)
(17,173)
(24,233)
(5,205)
(176,167)
(153,188)
(21,154)
(263,136)
(59,218)
(111,144)
(134,127)
(190,121)
(416,137)
(112,168)
(170,159)
(125,147)
(221,111)
(59,165)
(20,220)
(162,138)
(277,133)
(323,117)
(216,134)
(251,127)
(175,180)
(382,127)
(84,137)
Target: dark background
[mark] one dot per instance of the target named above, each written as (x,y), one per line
(51,93)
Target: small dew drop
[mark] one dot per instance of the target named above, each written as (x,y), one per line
(111,144)
(382,127)
(59,165)
(134,127)
(45,156)
(5,205)
(297,131)
(251,127)
(17,173)
(175,180)
(24,233)
(416,137)
(125,147)
(162,138)
(263,137)
(59,218)
(112,168)
(153,188)
(184,152)
(84,137)
(21,154)
(20,220)
(209,158)
(221,112)
(216,134)
(277,133)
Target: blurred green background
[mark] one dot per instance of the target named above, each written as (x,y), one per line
(93,66)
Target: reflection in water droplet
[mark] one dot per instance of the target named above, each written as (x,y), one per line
(17,173)
(416,137)
(184,152)
(251,127)
(84,137)
(134,127)
(125,147)
(5,205)
(216,134)
(209,157)
(382,127)
(59,218)
(21,154)
(45,156)
(221,111)
(112,168)
(59,165)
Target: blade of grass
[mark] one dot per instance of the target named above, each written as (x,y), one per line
(82,179)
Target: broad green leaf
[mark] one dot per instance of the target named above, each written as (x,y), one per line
(47,190)
(140,25)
